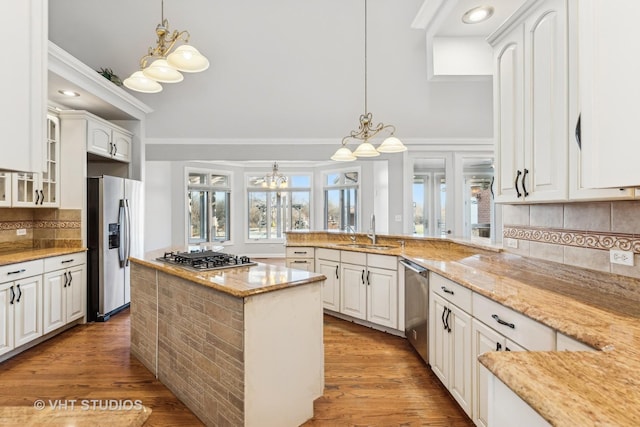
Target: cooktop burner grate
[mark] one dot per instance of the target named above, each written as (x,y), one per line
(205,260)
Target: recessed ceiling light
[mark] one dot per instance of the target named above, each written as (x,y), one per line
(67,92)
(477,14)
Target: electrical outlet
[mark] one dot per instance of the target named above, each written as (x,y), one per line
(21,231)
(621,257)
(398,218)
(511,243)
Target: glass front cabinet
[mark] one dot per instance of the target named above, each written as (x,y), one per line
(39,189)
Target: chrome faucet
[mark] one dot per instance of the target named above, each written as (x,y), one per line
(348,228)
(372,228)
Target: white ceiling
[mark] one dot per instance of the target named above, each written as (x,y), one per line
(280,69)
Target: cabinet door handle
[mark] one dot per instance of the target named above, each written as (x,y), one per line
(518,193)
(493,179)
(337,272)
(13,294)
(115,150)
(17,271)
(363,277)
(37,197)
(579,132)
(448,291)
(19,293)
(70,279)
(524,189)
(111,148)
(502,322)
(368,281)
(65,279)
(444,324)
(498,346)
(448,326)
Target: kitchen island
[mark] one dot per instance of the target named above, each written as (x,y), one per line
(239,346)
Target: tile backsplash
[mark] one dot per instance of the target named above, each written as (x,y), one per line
(42,228)
(579,234)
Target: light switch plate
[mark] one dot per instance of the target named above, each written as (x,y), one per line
(398,218)
(621,257)
(21,232)
(511,243)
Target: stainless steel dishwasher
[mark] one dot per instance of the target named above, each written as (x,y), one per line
(416,307)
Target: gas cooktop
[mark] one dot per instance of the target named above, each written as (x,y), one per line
(205,260)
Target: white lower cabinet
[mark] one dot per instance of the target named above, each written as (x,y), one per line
(328,263)
(42,296)
(369,288)
(485,339)
(64,297)
(21,304)
(507,409)
(450,339)
(300,258)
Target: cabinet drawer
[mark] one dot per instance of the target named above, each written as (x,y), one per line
(451,291)
(382,261)
(566,343)
(519,328)
(350,257)
(64,261)
(300,252)
(19,270)
(328,254)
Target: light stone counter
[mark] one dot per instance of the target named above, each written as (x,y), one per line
(600,388)
(33,254)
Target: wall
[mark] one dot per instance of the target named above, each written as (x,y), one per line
(45,228)
(166,214)
(579,234)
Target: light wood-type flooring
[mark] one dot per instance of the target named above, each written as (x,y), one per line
(371,378)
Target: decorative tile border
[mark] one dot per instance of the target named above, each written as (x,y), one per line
(578,238)
(40,224)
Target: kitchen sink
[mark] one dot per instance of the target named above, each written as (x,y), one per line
(366,246)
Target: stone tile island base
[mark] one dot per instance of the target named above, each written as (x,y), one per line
(256,360)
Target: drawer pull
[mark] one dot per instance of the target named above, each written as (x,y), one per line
(502,322)
(17,271)
(300,252)
(66,261)
(447,291)
(300,262)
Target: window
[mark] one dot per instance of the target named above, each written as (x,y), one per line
(272,211)
(341,200)
(208,216)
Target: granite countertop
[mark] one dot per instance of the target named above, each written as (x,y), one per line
(236,281)
(599,309)
(33,254)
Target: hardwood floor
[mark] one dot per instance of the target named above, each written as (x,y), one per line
(372,378)
(376,379)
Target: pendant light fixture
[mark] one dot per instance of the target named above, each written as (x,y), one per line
(367,129)
(166,65)
(274,179)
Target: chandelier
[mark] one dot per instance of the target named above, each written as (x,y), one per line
(367,129)
(167,65)
(274,179)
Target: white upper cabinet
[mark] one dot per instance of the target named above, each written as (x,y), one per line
(23,84)
(531,106)
(106,140)
(609,88)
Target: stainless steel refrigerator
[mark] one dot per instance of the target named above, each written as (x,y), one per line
(115,209)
